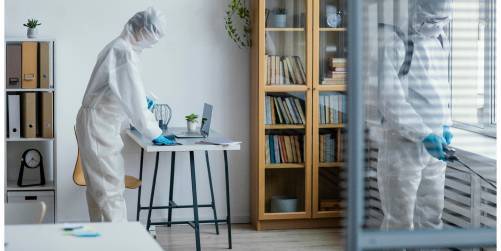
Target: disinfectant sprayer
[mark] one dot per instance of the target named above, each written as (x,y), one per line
(450,156)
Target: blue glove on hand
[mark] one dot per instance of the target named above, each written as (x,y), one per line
(150,102)
(163,141)
(433,145)
(447,135)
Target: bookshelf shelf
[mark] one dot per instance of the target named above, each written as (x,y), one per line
(321,126)
(331,88)
(286,88)
(331,164)
(284,127)
(285,166)
(31,90)
(285,29)
(12,186)
(332,29)
(28,139)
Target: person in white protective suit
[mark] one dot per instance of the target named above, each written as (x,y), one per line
(115,94)
(416,120)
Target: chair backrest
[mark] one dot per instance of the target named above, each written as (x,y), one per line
(78,176)
(32,212)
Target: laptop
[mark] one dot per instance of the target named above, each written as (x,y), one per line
(204,127)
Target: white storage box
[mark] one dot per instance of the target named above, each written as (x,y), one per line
(46,196)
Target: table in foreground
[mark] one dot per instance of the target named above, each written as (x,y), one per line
(191,146)
(128,236)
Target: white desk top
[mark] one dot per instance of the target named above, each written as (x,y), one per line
(188,144)
(130,236)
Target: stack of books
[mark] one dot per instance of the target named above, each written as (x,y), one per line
(284,110)
(327,148)
(283,149)
(337,72)
(332,108)
(285,70)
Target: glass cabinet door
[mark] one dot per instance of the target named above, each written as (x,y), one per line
(329,107)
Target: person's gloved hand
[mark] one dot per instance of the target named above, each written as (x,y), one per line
(150,102)
(433,144)
(447,135)
(163,141)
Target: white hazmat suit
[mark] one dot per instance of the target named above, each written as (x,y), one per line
(410,180)
(115,94)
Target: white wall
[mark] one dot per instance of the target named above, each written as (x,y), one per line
(194,63)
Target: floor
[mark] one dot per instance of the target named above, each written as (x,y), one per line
(181,237)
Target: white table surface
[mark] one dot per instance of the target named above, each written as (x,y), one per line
(188,144)
(130,236)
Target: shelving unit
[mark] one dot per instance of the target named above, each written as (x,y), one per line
(288,71)
(16,146)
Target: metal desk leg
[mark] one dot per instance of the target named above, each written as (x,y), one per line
(139,188)
(213,203)
(152,192)
(171,187)
(195,200)
(228,214)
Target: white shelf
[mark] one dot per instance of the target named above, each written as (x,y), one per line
(12,187)
(22,39)
(28,139)
(31,90)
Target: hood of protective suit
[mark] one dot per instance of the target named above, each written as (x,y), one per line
(428,17)
(144,29)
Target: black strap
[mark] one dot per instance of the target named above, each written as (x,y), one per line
(409,48)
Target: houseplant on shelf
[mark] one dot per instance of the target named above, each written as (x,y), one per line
(191,122)
(279,18)
(32,28)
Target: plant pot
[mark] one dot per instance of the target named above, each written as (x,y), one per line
(191,126)
(279,20)
(283,204)
(32,33)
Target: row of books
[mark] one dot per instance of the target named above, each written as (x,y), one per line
(284,110)
(336,74)
(328,148)
(285,70)
(30,115)
(332,108)
(284,149)
(28,65)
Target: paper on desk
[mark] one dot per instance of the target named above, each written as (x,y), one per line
(218,141)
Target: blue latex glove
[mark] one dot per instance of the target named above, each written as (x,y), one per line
(447,135)
(150,102)
(433,144)
(163,141)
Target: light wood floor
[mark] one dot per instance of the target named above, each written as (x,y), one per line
(181,237)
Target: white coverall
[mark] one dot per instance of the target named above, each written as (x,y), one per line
(115,94)
(410,180)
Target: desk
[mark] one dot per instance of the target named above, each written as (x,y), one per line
(188,145)
(128,236)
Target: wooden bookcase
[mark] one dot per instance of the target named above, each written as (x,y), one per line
(307,110)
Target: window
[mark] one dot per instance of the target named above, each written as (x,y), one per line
(472,66)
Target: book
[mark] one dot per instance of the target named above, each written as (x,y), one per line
(291,111)
(286,111)
(322,146)
(281,79)
(286,72)
(278,156)
(288,149)
(328,109)
(268,70)
(301,69)
(281,119)
(267,151)
(267,109)
(300,110)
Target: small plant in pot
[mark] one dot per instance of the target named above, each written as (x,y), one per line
(279,18)
(32,28)
(191,120)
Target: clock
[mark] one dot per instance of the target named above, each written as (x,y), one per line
(31,159)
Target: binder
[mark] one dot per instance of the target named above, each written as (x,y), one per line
(14,110)
(29,115)
(13,66)
(44,63)
(29,65)
(47,120)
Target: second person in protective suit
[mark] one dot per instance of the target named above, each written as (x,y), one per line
(416,120)
(115,94)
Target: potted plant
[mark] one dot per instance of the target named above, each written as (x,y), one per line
(279,17)
(191,122)
(32,28)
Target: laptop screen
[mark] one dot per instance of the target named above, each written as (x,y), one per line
(206,118)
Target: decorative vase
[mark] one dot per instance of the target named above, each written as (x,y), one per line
(279,20)
(32,33)
(333,17)
(192,126)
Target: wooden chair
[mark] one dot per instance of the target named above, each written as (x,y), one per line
(79,179)
(25,212)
